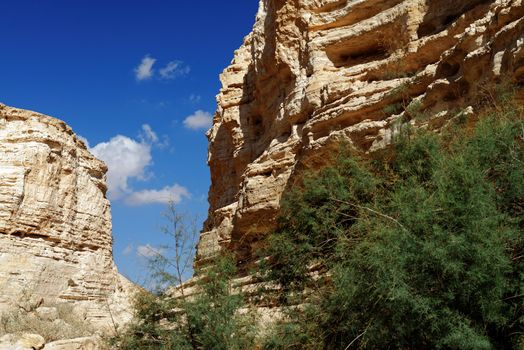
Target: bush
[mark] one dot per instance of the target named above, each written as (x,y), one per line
(420,248)
(209,319)
(205,316)
(174,316)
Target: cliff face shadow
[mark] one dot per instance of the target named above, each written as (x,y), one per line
(442,13)
(266,85)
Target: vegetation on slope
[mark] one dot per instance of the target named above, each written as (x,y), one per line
(419,247)
(207,320)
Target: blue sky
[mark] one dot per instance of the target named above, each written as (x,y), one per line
(138,80)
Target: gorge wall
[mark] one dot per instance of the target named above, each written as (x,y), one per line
(55,221)
(315,72)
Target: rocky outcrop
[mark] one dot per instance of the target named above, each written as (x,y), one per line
(314,72)
(87,343)
(25,341)
(55,222)
(36,342)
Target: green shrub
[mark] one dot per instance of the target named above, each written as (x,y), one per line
(210,319)
(422,248)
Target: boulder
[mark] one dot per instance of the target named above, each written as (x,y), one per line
(22,342)
(87,343)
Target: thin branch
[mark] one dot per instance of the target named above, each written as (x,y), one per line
(372,211)
(111,315)
(514,297)
(354,340)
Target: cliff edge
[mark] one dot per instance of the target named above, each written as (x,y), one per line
(55,221)
(315,72)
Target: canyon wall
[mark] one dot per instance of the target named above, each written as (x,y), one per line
(315,72)
(55,221)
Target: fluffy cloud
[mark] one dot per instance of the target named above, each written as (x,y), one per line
(199,120)
(145,71)
(126,158)
(166,195)
(174,69)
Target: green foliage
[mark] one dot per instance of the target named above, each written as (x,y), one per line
(213,316)
(314,217)
(392,109)
(209,319)
(414,109)
(170,264)
(298,332)
(422,248)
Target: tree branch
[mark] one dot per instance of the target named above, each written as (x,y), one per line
(372,211)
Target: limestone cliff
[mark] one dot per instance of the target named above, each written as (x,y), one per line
(313,72)
(55,220)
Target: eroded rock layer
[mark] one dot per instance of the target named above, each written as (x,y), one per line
(314,72)
(55,221)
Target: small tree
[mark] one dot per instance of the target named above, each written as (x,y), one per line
(173,318)
(171,264)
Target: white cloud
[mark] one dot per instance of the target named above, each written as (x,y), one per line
(149,134)
(126,159)
(129,159)
(199,120)
(148,251)
(174,69)
(145,70)
(150,137)
(168,194)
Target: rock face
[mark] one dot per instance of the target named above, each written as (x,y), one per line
(314,72)
(37,342)
(55,221)
(22,342)
(89,343)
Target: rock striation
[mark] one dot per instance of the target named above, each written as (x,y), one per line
(55,222)
(315,72)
